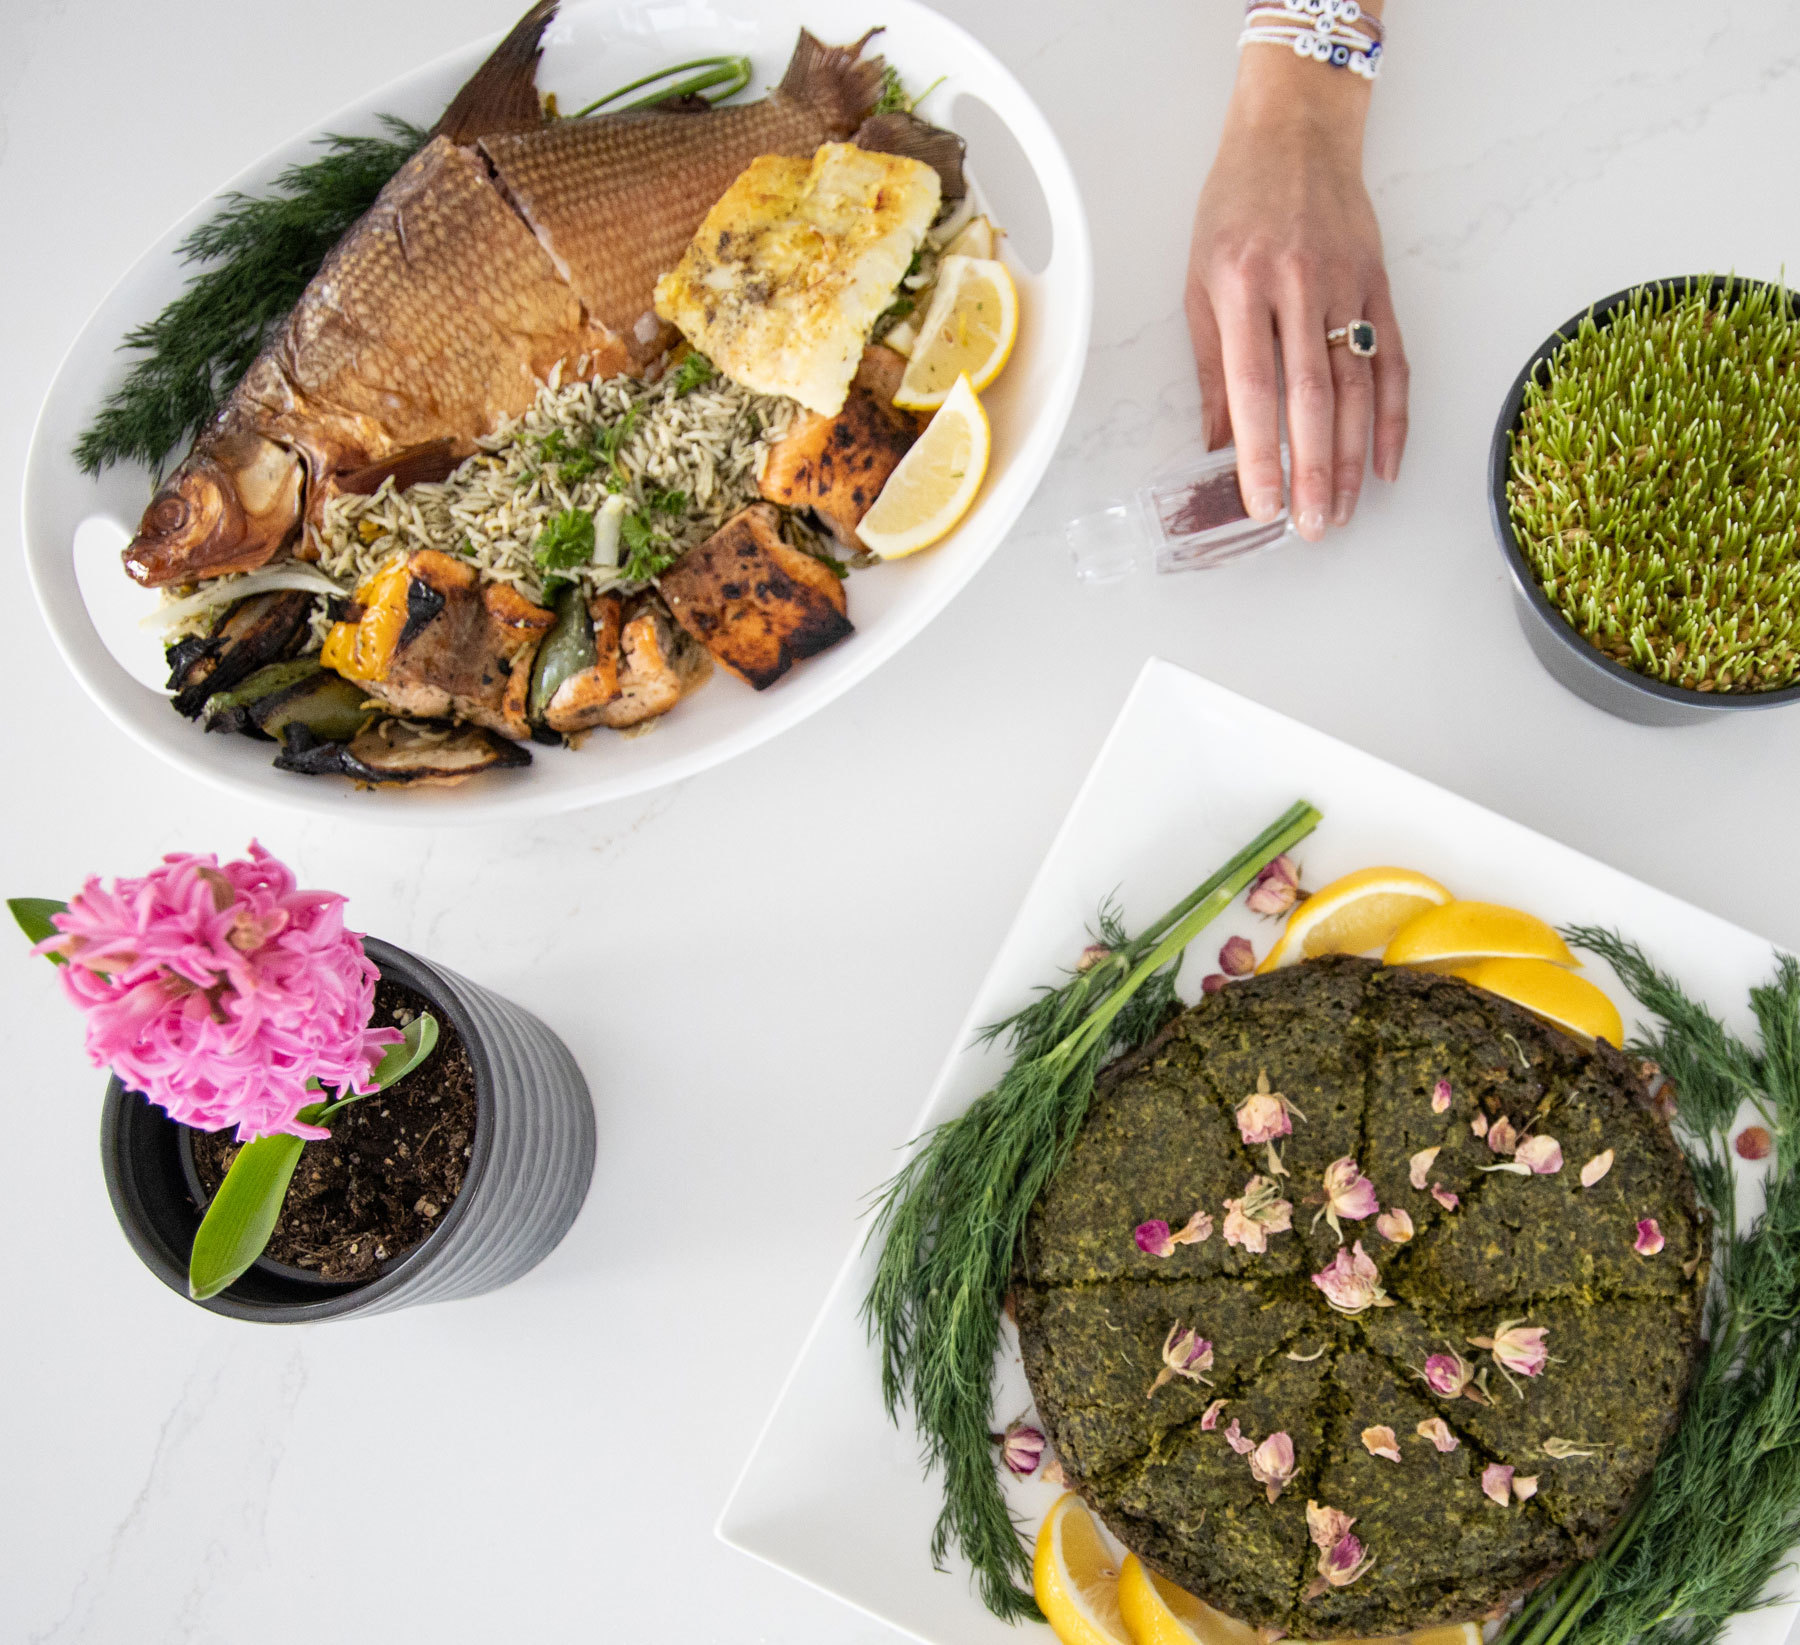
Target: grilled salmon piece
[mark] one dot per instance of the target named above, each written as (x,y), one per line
(433,642)
(658,665)
(754,602)
(581,700)
(836,466)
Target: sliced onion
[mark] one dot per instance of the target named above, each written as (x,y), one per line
(229,590)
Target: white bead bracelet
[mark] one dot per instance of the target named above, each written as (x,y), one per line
(1335,32)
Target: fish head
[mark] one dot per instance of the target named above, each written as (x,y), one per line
(231,506)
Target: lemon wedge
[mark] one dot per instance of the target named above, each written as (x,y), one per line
(1075,1578)
(934,483)
(969,330)
(1360,912)
(1551,991)
(1462,931)
(976,238)
(1156,1612)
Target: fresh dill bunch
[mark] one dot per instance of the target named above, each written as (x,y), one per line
(1654,485)
(1721,1511)
(949,1223)
(263,250)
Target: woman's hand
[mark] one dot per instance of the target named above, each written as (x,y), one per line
(1285,248)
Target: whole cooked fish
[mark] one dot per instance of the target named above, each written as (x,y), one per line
(509,246)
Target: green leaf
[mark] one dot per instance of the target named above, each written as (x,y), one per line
(566,541)
(33,915)
(419,1039)
(694,370)
(237,1224)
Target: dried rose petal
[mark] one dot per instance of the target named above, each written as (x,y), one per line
(1276,888)
(1211,1420)
(1501,1137)
(1380,1441)
(1272,1463)
(1753,1142)
(1197,1230)
(1596,1168)
(1479,1125)
(1213,981)
(1348,1193)
(1154,1238)
(1351,1282)
(1091,956)
(1262,1211)
(1448,1374)
(1185,1353)
(1440,1097)
(1649,1237)
(1496,1482)
(1437,1430)
(1234,1437)
(1053,1473)
(1327,1526)
(1021,1448)
(1420,1164)
(1237,958)
(1264,1114)
(1543,1154)
(1524,1486)
(1445,1198)
(1394,1226)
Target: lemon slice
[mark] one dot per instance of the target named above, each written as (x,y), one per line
(1355,914)
(1452,1633)
(968,331)
(1156,1612)
(1075,1579)
(1463,931)
(934,483)
(1569,1001)
(975,238)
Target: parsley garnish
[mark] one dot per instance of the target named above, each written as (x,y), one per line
(691,373)
(648,553)
(566,541)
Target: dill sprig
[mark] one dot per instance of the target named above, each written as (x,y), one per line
(1721,1511)
(949,1222)
(1655,484)
(265,248)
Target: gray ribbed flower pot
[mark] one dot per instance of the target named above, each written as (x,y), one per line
(532,1160)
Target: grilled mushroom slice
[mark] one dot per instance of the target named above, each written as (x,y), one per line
(395,752)
(255,632)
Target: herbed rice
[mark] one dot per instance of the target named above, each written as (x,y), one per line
(710,443)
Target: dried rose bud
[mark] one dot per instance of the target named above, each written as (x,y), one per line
(1351,1282)
(1445,1198)
(1344,1562)
(1185,1353)
(1448,1374)
(1437,1430)
(1381,1442)
(1517,1347)
(1501,1137)
(1234,1437)
(1596,1168)
(1213,981)
(1420,1164)
(1543,1154)
(1091,956)
(1276,888)
(1327,1526)
(1265,1114)
(1272,1464)
(1753,1142)
(1154,1239)
(1649,1237)
(1440,1097)
(1348,1193)
(1394,1226)
(1021,1448)
(1237,958)
(1496,1482)
(1524,1487)
(1479,1125)
(1210,1420)
(1261,1212)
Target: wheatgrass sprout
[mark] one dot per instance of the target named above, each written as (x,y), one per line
(1654,484)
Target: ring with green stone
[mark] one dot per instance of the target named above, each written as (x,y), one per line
(1358,337)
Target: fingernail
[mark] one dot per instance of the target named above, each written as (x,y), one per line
(1340,510)
(1312,524)
(1264,505)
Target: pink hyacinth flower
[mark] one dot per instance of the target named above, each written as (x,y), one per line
(1649,1237)
(220,989)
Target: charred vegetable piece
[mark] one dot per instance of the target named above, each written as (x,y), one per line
(568,650)
(400,752)
(658,666)
(836,466)
(263,629)
(332,708)
(754,602)
(582,699)
(230,710)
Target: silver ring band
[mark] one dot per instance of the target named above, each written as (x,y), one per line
(1358,337)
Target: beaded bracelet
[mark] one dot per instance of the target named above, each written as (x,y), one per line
(1335,32)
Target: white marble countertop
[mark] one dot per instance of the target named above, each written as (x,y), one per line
(759,969)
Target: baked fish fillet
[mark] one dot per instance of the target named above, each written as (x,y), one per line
(508,246)
(795,264)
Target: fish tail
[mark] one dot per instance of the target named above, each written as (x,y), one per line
(918,140)
(837,82)
(502,95)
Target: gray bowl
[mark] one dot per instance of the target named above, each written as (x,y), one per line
(1589,673)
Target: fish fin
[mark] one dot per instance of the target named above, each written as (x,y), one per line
(417,465)
(838,82)
(502,95)
(917,139)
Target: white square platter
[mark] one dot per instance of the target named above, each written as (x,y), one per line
(835,1494)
